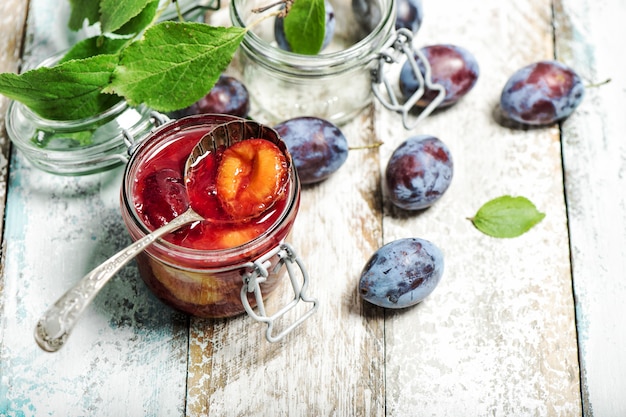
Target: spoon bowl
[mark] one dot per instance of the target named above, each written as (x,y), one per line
(212,144)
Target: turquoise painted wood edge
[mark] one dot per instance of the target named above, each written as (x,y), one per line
(128,355)
(589,38)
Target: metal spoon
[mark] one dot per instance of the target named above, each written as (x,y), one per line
(55,325)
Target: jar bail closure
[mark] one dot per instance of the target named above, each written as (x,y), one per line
(257,272)
(158,119)
(397,47)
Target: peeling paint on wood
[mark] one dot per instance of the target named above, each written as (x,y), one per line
(127,355)
(12,18)
(497,337)
(589,38)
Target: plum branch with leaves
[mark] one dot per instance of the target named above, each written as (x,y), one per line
(165,65)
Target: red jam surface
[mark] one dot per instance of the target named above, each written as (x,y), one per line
(245,184)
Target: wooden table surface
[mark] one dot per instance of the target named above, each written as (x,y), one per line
(530,326)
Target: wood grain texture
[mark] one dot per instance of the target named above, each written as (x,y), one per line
(12,18)
(497,337)
(127,355)
(332,365)
(589,36)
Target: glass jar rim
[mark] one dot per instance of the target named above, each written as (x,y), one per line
(221,256)
(61,126)
(70,125)
(365,48)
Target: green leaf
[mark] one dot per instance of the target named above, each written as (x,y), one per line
(83,10)
(305,25)
(68,91)
(97,45)
(141,21)
(175,64)
(116,13)
(507,217)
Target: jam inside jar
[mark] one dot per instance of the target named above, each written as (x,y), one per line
(203,269)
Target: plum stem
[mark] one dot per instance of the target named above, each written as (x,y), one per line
(599,84)
(287,4)
(370,146)
(263,18)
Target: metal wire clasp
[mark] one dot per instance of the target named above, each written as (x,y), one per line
(397,47)
(158,119)
(257,272)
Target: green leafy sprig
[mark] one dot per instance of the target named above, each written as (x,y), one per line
(166,66)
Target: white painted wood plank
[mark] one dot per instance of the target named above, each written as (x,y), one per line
(497,337)
(333,364)
(128,354)
(589,38)
(12,18)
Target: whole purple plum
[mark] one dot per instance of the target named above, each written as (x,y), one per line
(409,14)
(317,146)
(228,96)
(452,66)
(401,273)
(419,172)
(367,15)
(541,93)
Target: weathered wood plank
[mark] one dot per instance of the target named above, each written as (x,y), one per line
(589,38)
(12,18)
(497,337)
(128,354)
(333,363)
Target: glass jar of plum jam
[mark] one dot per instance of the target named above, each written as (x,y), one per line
(206,269)
(334,84)
(76,147)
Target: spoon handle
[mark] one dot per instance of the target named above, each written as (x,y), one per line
(54,327)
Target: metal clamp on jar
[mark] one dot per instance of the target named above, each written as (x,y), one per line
(396,48)
(258,273)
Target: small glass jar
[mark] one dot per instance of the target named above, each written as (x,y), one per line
(76,147)
(212,283)
(334,85)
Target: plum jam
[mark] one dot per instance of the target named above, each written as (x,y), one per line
(160,194)
(198,269)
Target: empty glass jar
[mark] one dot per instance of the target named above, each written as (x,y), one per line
(335,84)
